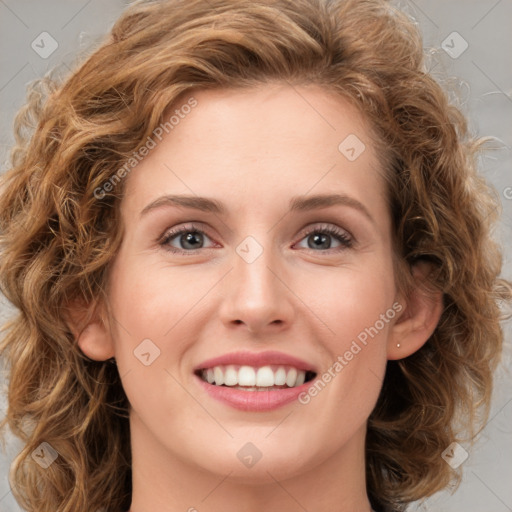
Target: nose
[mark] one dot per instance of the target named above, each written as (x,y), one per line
(257,295)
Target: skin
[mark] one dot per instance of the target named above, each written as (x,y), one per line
(254,150)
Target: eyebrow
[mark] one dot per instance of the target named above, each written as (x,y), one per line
(297,203)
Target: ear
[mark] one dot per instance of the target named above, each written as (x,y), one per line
(421,314)
(91,331)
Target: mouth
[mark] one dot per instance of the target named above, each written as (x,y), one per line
(255,378)
(234,379)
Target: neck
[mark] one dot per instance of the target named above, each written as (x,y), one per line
(164,481)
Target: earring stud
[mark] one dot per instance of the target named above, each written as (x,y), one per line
(398,345)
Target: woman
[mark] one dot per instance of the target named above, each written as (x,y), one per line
(252,258)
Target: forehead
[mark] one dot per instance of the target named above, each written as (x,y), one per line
(258,145)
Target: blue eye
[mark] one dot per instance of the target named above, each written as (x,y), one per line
(191,238)
(323,236)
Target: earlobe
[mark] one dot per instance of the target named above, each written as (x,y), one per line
(422,311)
(90,330)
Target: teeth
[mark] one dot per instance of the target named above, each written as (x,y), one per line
(280,377)
(291,378)
(301,377)
(245,388)
(230,376)
(265,377)
(246,376)
(218,375)
(254,379)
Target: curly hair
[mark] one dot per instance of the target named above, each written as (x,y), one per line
(58,238)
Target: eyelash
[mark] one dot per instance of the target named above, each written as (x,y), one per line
(345,240)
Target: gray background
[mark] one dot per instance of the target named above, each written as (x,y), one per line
(480,76)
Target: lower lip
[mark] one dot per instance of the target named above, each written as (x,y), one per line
(253,400)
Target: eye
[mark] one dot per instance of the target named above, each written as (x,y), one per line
(188,238)
(320,237)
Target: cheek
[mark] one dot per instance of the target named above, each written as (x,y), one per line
(149,306)
(351,299)
(155,302)
(148,298)
(356,305)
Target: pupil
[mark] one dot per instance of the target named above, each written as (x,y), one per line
(322,238)
(191,238)
(319,240)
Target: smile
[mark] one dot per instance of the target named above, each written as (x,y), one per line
(255,381)
(250,378)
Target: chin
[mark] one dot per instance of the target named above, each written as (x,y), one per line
(259,459)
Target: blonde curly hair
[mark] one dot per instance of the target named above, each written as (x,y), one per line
(58,239)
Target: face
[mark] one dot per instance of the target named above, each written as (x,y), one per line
(265,275)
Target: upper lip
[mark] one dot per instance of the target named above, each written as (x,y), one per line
(257,359)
